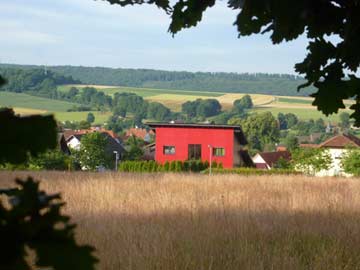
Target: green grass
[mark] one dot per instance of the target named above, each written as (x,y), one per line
(100,117)
(303,114)
(148,92)
(9,99)
(294,100)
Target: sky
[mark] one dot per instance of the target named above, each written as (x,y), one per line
(94,33)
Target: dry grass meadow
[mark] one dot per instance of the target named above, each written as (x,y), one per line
(197,222)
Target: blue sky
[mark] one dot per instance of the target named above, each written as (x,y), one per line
(93,33)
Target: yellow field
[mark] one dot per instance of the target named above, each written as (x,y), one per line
(227,100)
(174,101)
(27,111)
(192,222)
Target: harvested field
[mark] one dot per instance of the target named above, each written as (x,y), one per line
(185,221)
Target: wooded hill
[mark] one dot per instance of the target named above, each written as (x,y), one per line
(257,83)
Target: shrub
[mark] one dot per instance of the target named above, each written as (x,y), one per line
(152,166)
(252,171)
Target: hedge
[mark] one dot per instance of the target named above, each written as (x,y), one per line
(252,171)
(174,166)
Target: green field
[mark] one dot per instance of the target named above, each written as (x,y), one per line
(304,114)
(9,99)
(143,92)
(100,117)
(294,100)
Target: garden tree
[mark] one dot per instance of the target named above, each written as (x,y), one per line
(330,65)
(282,163)
(317,126)
(84,125)
(90,118)
(344,120)
(134,149)
(92,153)
(291,142)
(224,117)
(311,160)
(260,129)
(51,160)
(282,121)
(350,162)
(291,120)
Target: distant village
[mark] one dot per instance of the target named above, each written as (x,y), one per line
(223,145)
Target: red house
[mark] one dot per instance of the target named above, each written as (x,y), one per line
(220,143)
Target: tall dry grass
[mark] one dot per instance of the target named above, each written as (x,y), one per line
(197,222)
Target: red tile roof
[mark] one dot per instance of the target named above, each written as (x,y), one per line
(138,132)
(273,157)
(341,141)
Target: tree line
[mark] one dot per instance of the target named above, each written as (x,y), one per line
(254,83)
(38,82)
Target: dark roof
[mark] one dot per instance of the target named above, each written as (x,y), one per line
(160,124)
(341,141)
(237,129)
(272,157)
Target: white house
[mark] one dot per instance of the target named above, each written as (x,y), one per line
(73,142)
(336,147)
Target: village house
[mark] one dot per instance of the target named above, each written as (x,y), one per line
(336,147)
(72,140)
(268,160)
(141,133)
(207,142)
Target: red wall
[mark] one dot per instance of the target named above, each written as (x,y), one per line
(181,137)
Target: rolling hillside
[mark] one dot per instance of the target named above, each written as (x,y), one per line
(26,104)
(257,83)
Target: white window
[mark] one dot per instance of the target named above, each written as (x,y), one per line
(218,151)
(169,150)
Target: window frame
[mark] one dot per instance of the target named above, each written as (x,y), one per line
(216,148)
(169,153)
(195,149)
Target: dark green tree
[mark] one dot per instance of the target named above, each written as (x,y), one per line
(282,121)
(351,162)
(291,120)
(260,129)
(244,103)
(344,120)
(84,125)
(291,142)
(134,149)
(90,118)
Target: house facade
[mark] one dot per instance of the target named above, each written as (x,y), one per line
(336,146)
(220,143)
